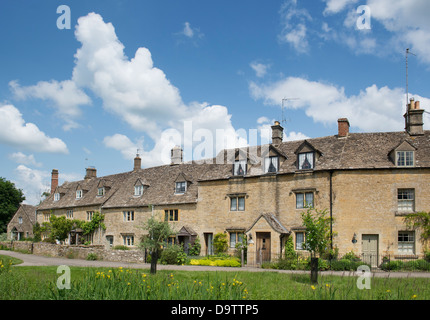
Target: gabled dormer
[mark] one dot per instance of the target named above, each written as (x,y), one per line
(103,187)
(140,186)
(182,183)
(307,156)
(59,192)
(403,155)
(81,190)
(240,164)
(272,159)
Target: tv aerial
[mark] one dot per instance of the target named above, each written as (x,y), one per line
(283,120)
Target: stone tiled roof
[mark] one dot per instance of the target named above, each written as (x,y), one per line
(356,151)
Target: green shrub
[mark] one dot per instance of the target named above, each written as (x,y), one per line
(173,254)
(230,262)
(120,247)
(220,243)
(195,248)
(92,256)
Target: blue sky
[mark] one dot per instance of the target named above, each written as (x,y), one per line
(128,74)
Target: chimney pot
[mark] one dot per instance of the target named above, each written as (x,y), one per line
(277,133)
(414,119)
(137,163)
(176,155)
(91,172)
(54,180)
(343,127)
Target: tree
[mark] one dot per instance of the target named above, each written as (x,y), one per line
(158,233)
(10,200)
(419,220)
(317,236)
(60,227)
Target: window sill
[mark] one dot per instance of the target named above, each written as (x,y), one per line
(403,213)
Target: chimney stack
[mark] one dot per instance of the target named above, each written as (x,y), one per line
(342,127)
(277,133)
(176,155)
(91,172)
(414,118)
(54,180)
(137,163)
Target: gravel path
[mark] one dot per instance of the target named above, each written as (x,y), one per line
(34,260)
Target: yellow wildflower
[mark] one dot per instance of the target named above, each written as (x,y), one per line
(414,296)
(313,287)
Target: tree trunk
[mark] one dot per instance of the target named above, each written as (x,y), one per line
(314,270)
(154,258)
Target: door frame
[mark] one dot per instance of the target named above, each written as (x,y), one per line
(264,247)
(370,256)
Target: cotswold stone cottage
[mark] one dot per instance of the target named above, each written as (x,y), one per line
(366,181)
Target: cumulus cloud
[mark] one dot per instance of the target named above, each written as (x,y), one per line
(372,109)
(65,95)
(22,158)
(259,68)
(16,132)
(33,183)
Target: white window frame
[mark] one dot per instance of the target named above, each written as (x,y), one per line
(237,203)
(299,240)
(309,156)
(69,214)
(406,242)
(237,164)
(56,196)
(79,194)
(138,190)
(305,198)
(180,187)
(128,215)
(405,158)
(101,191)
(90,215)
(271,160)
(406,200)
(20,220)
(128,240)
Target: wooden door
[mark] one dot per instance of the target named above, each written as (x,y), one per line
(263,247)
(369,245)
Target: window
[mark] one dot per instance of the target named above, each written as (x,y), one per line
(138,190)
(271,164)
(235,237)
(46,217)
(78,194)
(181,187)
(56,196)
(406,200)
(300,238)
(405,158)
(101,191)
(128,215)
(406,242)
(304,199)
(90,215)
(69,214)
(237,203)
(306,161)
(239,168)
(171,215)
(128,240)
(20,220)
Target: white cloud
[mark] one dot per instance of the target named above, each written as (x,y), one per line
(65,95)
(15,132)
(264,124)
(22,158)
(33,183)
(335,6)
(188,32)
(374,109)
(259,68)
(294,30)
(123,144)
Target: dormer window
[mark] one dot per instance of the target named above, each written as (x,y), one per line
(405,158)
(138,190)
(306,160)
(56,196)
(79,194)
(181,187)
(239,168)
(271,164)
(101,191)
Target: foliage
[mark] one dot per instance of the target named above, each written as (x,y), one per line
(230,262)
(419,220)
(290,253)
(60,227)
(92,256)
(173,254)
(96,222)
(220,243)
(121,247)
(158,233)
(10,199)
(317,238)
(195,248)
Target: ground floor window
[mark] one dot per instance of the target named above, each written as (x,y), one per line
(235,237)
(128,240)
(406,242)
(300,238)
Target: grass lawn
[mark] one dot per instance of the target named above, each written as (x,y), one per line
(39,283)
